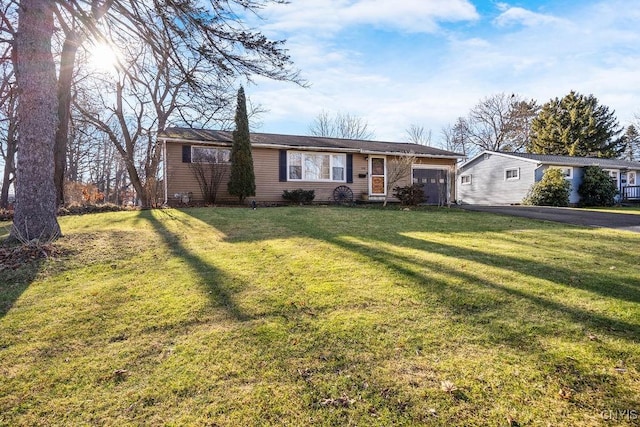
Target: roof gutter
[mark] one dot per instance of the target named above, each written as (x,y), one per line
(312,148)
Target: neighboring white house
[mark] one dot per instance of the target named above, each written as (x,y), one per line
(499,178)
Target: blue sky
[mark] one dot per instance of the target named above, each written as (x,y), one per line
(426,62)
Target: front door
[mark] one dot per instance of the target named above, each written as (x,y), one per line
(378,176)
(434,183)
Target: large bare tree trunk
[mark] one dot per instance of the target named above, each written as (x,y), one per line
(67,62)
(9,167)
(36,207)
(10,150)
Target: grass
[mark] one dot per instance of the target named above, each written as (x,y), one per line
(323,316)
(631,210)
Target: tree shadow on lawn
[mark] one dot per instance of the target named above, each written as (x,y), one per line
(14,282)
(627,288)
(503,322)
(491,311)
(212,277)
(19,267)
(465,301)
(302,225)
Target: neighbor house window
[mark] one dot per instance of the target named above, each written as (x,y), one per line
(316,167)
(631,178)
(465,180)
(614,175)
(210,155)
(566,172)
(512,174)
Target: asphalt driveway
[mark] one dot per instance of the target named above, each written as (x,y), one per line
(620,221)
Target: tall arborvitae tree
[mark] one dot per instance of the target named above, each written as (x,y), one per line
(576,125)
(242,181)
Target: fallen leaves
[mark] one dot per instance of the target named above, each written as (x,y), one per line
(341,402)
(565,393)
(448,386)
(14,257)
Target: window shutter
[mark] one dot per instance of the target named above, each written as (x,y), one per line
(186,154)
(283,166)
(349,168)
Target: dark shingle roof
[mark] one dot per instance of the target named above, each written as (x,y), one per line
(305,142)
(578,161)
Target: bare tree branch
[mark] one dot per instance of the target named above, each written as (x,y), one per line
(341,125)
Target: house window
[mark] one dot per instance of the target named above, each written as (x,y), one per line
(566,172)
(295,166)
(210,155)
(316,167)
(631,178)
(337,167)
(614,175)
(465,180)
(512,174)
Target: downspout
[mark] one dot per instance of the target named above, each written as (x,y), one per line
(164,172)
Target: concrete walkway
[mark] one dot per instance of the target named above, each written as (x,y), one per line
(620,221)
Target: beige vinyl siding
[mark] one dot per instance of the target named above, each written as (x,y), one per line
(269,189)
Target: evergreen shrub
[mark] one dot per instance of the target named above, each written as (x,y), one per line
(597,188)
(552,190)
(299,196)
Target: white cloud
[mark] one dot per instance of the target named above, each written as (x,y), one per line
(412,16)
(519,16)
(433,79)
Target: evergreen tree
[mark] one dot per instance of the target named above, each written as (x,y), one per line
(576,126)
(242,181)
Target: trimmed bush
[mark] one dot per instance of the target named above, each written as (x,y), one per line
(597,188)
(410,195)
(299,196)
(552,190)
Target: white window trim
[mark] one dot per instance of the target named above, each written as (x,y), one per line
(312,153)
(568,168)
(513,178)
(635,178)
(616,178)
(462,181)
(217,150)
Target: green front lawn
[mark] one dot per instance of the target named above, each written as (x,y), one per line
(323,316)
(631,210)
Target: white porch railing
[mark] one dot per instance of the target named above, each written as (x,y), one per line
(631,192)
